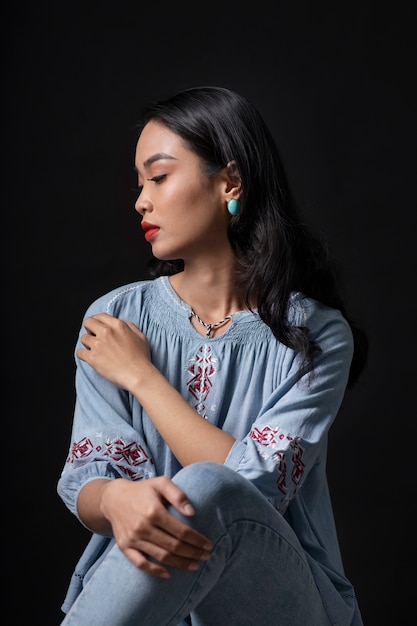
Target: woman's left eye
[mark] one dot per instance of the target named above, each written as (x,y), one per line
(157,179)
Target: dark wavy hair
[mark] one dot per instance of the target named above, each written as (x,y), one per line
(276,253)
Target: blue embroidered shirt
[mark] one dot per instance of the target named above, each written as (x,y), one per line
(245,382)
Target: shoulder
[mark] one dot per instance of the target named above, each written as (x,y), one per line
(323,322)
(122,299)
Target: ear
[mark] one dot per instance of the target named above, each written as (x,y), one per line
(233,183)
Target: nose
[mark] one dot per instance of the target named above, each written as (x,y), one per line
(142,205)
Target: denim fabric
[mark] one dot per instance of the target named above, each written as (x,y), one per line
(246,383)
(257,574)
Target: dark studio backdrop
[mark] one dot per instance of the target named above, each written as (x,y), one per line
(335,83)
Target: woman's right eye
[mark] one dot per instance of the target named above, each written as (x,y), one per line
(137,190)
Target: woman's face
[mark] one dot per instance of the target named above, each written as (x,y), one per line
(184,211)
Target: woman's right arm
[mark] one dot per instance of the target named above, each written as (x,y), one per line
(108,481)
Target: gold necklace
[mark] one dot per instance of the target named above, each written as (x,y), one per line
(210,327)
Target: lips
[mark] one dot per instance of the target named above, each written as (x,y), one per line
(150,230)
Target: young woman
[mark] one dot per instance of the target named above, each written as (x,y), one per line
(205,394)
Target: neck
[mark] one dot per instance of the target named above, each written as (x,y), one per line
(212,297)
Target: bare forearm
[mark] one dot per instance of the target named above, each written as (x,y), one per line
(119,351)
(89,506)
(190,437)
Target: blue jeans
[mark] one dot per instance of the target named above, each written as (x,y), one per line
(257,573)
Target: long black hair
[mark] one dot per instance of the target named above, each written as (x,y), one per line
(276,253)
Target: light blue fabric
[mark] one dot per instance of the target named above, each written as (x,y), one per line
(257,573)
(245,382)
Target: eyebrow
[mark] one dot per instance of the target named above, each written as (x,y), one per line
(159,156)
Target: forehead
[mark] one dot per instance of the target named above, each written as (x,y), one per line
(157,139)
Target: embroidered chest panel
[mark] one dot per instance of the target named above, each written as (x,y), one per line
(201,370)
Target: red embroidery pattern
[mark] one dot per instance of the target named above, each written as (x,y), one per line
(282,469)
(298,465)
(202,368)
(268,436)
(125,455)
(80,449)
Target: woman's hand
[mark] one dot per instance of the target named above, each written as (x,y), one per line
(144,529)
(116,349)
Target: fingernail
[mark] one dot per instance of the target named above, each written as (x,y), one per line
(193,567)
(188,509)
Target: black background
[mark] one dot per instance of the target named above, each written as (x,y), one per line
(335,83)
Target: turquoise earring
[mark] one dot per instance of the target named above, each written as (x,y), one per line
(233,206)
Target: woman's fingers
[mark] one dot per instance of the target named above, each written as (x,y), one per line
(116,349)
(160,557)
(147,532)
(181,545)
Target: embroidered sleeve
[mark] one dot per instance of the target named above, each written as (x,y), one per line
(290,432)
(104,441)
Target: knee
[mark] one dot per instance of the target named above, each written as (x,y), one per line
(204,477)
(210,484)
(223,501)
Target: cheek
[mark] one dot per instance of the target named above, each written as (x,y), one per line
(185,200)
(193,197)
(205,195)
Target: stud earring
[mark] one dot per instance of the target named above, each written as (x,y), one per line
(233,206)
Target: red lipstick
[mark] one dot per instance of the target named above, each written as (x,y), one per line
(150,230)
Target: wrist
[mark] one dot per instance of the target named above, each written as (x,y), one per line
(142,380)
